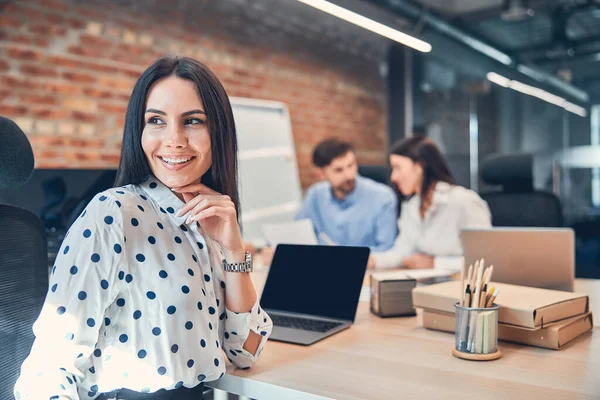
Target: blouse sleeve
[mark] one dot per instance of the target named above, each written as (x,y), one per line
(83,283)
(237,330)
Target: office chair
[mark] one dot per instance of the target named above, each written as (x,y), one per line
(23,287)
(518,203)
(380,173)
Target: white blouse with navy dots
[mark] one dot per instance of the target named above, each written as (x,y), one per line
(136,301)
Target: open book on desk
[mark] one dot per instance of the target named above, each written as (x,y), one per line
(422,276)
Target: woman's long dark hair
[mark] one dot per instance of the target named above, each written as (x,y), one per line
(222,175)
(424,151)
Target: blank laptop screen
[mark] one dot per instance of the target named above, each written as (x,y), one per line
(317,280)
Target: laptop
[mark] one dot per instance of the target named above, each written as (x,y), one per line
(536,257)
(312,292)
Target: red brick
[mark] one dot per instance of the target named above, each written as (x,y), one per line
(4,66)
(54,142)
(80,116)
(41,29)
(38,100)
(89,40)
(86,51)
(111,158)
(61,88)
(55,5)
(79,78)
(24,54)
(98,94)
(111,108)
(12,111)
(41,42)
(33,15)
(101,68)
(12,82)
(115,83)
(44,154)
(10,21)
(50,114)
(21,39)
(75,23)
(90,13)
(86,143)
(131,73)
(38,71)
(55,19)
(123,96)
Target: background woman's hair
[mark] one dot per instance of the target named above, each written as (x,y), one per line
(222,175)
(424,151)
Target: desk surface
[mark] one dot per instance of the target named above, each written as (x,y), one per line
(396,358)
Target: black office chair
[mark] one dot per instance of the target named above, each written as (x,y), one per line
(23,287)
(518,203)
(380,173)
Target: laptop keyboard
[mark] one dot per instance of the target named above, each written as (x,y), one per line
(303,323)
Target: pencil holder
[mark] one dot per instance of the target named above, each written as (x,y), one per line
(476,333)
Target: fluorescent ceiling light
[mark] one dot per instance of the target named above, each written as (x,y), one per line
(536,92)
(369,24)
(498,79)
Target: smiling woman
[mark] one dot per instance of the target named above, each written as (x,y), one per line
(151,290)
(176,139)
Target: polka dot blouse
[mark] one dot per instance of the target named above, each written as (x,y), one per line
(136,301)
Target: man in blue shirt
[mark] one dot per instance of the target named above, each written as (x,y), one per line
(346,208)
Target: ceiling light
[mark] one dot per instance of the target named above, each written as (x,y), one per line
(369,24)
(536,92)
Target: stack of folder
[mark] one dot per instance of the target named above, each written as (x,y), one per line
(530,316)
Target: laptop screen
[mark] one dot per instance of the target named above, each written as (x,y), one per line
(317,280)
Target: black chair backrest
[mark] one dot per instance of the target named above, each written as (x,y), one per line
(23,288)
(378,172)
(518,203)
(535,209)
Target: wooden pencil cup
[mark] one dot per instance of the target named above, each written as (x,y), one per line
(476,333)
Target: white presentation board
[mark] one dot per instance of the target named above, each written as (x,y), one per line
(269,184)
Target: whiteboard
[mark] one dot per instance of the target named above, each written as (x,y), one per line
(269,184)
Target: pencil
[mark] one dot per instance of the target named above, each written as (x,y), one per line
(467,296)
(473,276)
(462,284)
(475,300)
(489,277)
(490,292)
(482,298)
(490,302)
(468,283)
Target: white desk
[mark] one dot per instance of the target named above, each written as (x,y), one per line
(396,358)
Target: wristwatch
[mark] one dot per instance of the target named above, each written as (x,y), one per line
(245,266)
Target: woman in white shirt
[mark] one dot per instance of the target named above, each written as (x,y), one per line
(436,210)
(145,296)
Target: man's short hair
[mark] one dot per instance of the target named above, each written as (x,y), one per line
(328,150)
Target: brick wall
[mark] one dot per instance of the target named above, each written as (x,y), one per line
(67,69)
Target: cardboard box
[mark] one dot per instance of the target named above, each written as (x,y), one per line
(519,305)
(554,336)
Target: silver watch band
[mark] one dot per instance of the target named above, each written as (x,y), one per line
(244,266)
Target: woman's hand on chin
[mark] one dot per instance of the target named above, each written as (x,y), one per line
(216,215)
